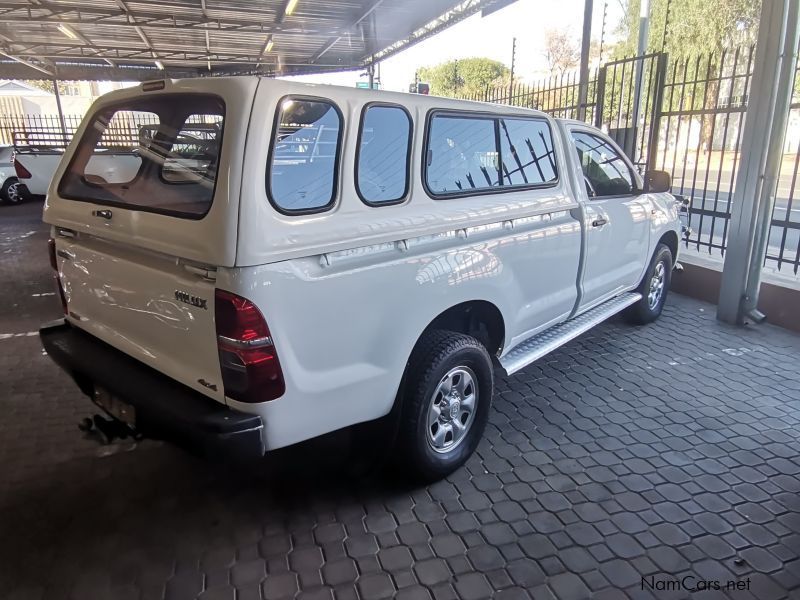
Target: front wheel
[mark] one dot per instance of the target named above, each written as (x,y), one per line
(447,395)
(653,288)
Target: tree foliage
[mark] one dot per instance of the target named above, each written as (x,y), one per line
(47,85)
(463,77)
(694,28)
(561,51)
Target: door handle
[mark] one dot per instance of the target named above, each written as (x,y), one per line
(599,222)
(105,214)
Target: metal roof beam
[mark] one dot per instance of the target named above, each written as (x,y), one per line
(448,19)
(208,42)
(120,54)
(260,21)
(28,63)
(332,42)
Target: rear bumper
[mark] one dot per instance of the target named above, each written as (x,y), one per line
(165,409)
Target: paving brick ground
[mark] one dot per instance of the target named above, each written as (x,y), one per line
(662,452)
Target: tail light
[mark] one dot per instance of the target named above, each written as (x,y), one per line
(51,247)
(249,363)
(22,172)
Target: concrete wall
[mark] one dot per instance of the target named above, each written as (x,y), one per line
(779,299)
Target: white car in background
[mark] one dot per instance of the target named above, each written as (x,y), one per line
(35,161)
(12,190)
(35,166)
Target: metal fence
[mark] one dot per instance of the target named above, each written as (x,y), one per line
(784,238)
(26,129)
(690,124)
(557,96)
(701,123)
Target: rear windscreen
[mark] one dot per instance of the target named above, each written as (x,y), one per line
(157,154)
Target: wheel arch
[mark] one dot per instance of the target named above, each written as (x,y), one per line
(670,240)
(480,319)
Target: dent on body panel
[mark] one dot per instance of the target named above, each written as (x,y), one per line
(114,298)
(665,211)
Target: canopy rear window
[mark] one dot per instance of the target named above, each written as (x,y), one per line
(156,154)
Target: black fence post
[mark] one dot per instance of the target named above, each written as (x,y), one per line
(655,119)
(601,90)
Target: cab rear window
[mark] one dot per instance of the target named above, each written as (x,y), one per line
(477,153)
(156,154)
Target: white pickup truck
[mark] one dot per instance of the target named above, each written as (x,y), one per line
(280,260)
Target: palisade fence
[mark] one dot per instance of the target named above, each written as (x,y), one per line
(691,125)
(557,96)
(31,128)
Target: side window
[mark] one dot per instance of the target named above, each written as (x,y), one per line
(305,150)
(462,154)
(383,153)
(526,148)
(606,172)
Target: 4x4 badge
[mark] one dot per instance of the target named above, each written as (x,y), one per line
(191,300)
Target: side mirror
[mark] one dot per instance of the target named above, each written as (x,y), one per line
(657,181)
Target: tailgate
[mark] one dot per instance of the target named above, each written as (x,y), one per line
(151,306)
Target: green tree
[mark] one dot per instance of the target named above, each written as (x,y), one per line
(561,51)
(695,27)
(47,85)
(464,77)
(700,35)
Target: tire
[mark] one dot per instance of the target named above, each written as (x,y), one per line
(441,360)
(653,288)
(13,191)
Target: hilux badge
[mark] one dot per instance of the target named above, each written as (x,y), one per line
(191,300)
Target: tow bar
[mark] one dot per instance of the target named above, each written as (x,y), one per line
(105,431)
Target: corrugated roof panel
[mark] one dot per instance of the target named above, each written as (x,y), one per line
(126,37)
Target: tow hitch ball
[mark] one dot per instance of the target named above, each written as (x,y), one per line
(106,431)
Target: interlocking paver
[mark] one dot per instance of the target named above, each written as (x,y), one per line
(655,451)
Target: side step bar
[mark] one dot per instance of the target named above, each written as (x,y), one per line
(548,340)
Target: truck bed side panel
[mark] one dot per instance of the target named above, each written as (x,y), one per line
(345,324)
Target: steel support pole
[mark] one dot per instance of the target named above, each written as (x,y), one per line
(60,111)
(762,141)
(513,64)
(780,122)
(641,50)
(586,39)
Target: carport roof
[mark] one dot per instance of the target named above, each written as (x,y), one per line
(134,39)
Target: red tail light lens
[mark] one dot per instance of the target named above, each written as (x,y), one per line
(250,368)
(21,171)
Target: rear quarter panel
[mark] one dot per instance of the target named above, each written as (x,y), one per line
(345,323)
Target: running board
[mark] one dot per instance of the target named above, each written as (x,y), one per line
(548,340)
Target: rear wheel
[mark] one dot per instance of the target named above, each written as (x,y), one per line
(653,288)
(13,191)
(447,395)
